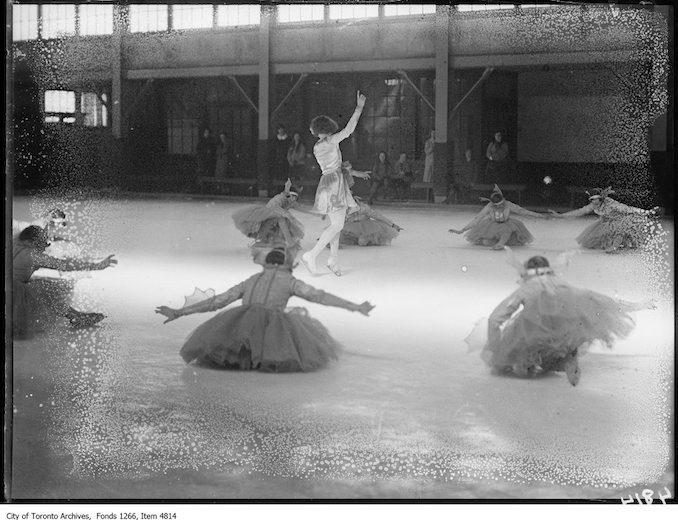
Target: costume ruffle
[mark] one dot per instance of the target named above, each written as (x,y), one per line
(488,232)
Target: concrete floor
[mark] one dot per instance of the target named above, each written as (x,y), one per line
(406,412)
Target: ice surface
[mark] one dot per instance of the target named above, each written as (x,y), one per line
(406,412)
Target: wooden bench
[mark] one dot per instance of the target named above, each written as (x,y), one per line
(505,188)
(225,181)
(427,186)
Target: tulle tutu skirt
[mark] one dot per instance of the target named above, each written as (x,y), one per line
(263,223)
(368,232)
(488,232)
(253,337)
(625,231)
(553,326)
(333,192)
(38,304)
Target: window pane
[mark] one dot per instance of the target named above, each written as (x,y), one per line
(236,15)
(341,12)
(191,16)
(301,13)
(58,20)
(93,109)
(24,22)
(408,9)
(144,18)
(483,7)
(96,19)
(60,101)
(527,6)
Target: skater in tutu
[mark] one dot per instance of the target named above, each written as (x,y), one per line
(262,334)
(618,225)
(272,225)
(52,297)
(495,226)
(333,195)
(367,227)
(547,323)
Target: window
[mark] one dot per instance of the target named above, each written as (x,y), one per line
(182,136)
(94,109)
(301,13)
(96,19)
(342,12)
(192,16)
(237,15)
(145,18)
(483,7)
(408,9)
(58,20)
(24,22)
(541,6)
(59,106)
(60,101)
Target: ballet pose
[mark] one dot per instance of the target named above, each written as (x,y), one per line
(547,323)
(333,195)
(262,334)
(495,226)
(272,225)
(617,226)
(32,297)
(367,227)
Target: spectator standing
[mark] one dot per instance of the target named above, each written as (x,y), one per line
(497,160)
(206,152)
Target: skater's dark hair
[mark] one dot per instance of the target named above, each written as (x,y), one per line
(496,198)
(536,262)
(276,257)
(34,234)
(323,125)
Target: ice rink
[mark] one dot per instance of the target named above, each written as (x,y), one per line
(405,413)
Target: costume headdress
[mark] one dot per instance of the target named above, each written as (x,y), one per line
(537,266)
(597,193)
(495,192)
(292,190)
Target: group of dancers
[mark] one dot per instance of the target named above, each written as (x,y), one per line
(543,326)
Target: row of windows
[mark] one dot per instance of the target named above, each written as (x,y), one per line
(60,19)
(60,106)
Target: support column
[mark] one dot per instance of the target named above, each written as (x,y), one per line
(120,16)
(267,13)
(441,151)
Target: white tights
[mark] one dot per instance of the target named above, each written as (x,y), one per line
(331,236)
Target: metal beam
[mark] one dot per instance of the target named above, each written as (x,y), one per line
(485,75)
(416,89)
(194,72)
(117,73)
(244,94)
(539,59)
(292,90)
(324,67)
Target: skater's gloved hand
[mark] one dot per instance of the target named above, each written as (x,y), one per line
(397,228)
(365,308)
(169,313)
(106,262)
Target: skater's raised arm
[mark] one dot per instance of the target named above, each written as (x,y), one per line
(585,210)
(71,264)
(352,123)
(307,292)
(214,303)
(522,211)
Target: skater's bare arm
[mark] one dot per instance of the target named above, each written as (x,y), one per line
(574,213)
(72,264)
(522,211)
(211,304)
(352,123)
(483,212)
(307,292)
(501,314)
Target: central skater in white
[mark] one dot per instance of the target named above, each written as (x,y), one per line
(333,196)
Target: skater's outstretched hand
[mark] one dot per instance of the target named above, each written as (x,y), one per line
(169,313)
(455,231)
(555,214)
(106,262)
(360,100)
(365,308)
(397,228)
(361,175)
